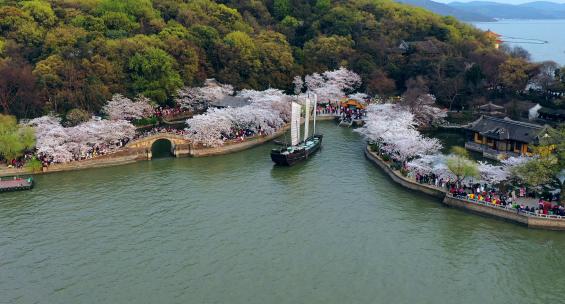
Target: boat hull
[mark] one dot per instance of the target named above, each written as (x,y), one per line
(16,185)
(292,158)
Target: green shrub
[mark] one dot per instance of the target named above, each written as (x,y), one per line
(34,164)
(75,117)
(145,121)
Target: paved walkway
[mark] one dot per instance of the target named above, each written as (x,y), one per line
(526,201)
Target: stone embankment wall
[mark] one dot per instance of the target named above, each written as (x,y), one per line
(114,159)
(231,148)
(482,209)
(136,153)
(121,157)
(507,214)
(401,179)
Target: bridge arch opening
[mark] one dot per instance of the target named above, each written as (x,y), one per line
(162,148)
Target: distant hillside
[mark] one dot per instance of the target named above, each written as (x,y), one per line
(75,54)
(446,10)
(532,10)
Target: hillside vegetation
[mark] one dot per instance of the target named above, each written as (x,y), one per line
(62,55)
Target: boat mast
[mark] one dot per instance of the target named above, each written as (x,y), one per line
(306,118)
(315,108)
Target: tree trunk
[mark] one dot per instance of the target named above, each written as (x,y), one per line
(4,102)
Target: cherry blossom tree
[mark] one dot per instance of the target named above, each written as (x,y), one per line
(213,128)
(431,164)
(424,109)
(332,85)
(361,97)
(298,84)
(394,129)
(208,129)
(269,111)
(270,99)
(384,121)
(512,163)
(65,144)
(493,174)
(197,98)
(123,108)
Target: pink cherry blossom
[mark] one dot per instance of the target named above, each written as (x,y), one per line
(197,98)
(123,108)
(65,144)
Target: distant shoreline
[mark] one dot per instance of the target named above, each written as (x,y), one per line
(540,37)
(513,20)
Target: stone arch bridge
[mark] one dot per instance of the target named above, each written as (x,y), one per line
(180,146)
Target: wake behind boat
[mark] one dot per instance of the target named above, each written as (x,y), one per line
(298,150)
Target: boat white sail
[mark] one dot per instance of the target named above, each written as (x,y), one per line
(295,124)
(315,108)
(307,118)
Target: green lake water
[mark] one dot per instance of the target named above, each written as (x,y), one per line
(236,229)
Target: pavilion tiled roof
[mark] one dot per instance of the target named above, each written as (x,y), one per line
(506,129)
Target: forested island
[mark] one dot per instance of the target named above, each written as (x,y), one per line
(63,55)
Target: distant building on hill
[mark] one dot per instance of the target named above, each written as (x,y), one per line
(231,102)
(544,114)
(424,46)
(495,38)
(491,109)
(552,115)
(499,138)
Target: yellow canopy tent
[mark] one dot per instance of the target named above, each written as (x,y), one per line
(352,104)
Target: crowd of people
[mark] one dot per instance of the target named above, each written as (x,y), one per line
(88,153)
(508,199)
(345,113)
(162,112)
(348,114)
(18,162)
(487,194)
(327,109)
(238,134)
(157,130)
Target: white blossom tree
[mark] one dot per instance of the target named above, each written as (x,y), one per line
(394,129)
(361,97)
(431,164)
(65,144)
(269,111)
(492,174)
(331,86)
(123,108)
(197,98)
(208,129)
(213,128)
(512,163)
(270,99)
(424,109)
(298,84)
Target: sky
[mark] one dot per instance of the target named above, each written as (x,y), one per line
(501,1)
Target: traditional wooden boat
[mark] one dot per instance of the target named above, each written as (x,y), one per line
(345,122)
(298,150)
(15,184)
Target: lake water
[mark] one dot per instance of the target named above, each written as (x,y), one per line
(552,31)
(235,229)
